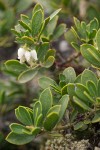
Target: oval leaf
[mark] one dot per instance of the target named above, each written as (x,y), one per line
(45,82)
(23,116)
(51,121)
(27,75)
(17,139)
(37,20)
(46,100)
(91,54)
(64,104)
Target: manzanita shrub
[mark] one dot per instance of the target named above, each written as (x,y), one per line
(79,94)
(9,9)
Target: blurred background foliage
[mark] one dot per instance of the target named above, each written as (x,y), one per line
(12,93)
(10,10)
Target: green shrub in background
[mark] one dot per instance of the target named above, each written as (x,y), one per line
(79,94)
(85,39)
(86,10)
(9,10)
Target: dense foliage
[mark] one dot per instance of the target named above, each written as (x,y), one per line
(79,94)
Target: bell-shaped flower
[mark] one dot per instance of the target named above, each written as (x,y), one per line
(21,55)
(28,56)
(34,55)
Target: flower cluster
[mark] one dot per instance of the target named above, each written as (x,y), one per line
(29,56)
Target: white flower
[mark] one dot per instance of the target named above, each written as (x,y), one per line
(28,56)
(25,55)
(34,54)
(21,55)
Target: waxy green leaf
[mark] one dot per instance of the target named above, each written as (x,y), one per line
(37,20)
(64,104)
(70,75)
(15,66)
(27,75)
(23,116)
(51,121)
(45,82)
(91,54)
(46,100)
(42,51)
(17,139)
(49,62)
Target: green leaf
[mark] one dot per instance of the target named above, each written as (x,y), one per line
(17,139)
(45,82)
(51,121)
(89,97)
(84,28)
(55,108)
(70,75)
(39,120)
(37,20)
(30,112)
(23,116)
(56,88)
(46,101)
(50,52)
(42,51)
(27,75)
(77,25)
(62,77)
(46,21)
(91,54)
(15,66)
(96,117)
(35,131)
(71,89)
(25,18)
(64,104)
(24,25)
(98,87)
(88,75)
(79,125)
(92,34)
(92,88)
(62,84)
(18,128)
(28,40)
(79,91)
(37,110)
(98,39)
(36,8)
(94,24)
(81,104)
(51,26)
(64,90)
(76,46)
(54,14)
(49,62)
(59,31)
(70,36)
(78,79)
